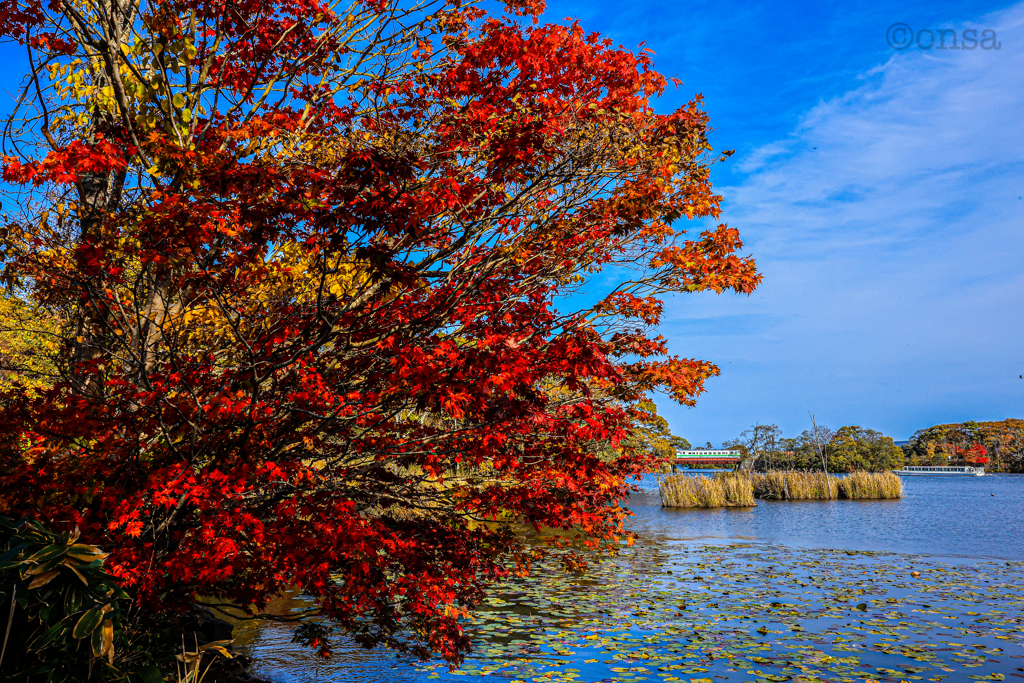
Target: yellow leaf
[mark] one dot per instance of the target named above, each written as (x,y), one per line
(108,640)
(86,553)
(43,579)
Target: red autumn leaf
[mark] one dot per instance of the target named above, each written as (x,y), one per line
(311,307)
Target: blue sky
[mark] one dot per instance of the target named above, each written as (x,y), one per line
(879,190)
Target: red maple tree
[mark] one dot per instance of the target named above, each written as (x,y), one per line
(976,455)
(316,272)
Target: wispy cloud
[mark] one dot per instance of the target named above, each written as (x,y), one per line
(890,230)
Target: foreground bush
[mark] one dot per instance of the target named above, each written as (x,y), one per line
(65,623)
(721,490)
(65,619)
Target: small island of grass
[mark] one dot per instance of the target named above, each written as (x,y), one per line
(737,489)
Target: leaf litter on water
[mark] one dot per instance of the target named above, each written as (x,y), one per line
(701,613)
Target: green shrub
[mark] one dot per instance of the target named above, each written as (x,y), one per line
(60,611)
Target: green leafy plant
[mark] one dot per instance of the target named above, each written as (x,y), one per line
(60,608)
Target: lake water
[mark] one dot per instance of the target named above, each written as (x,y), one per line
(800,591)
(938,515)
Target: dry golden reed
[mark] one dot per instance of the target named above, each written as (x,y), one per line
(871,486)
(792,485)
(734,489)
(725,489)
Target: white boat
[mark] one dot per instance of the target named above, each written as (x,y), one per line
(963,471)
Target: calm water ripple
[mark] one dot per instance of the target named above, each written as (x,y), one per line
(941,515)
(786,591)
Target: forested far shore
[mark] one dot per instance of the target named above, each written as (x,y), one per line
(996,446)
(999,446)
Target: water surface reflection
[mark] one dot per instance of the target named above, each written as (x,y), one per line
(784,591)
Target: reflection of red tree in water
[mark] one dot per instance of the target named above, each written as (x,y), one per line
(976,455)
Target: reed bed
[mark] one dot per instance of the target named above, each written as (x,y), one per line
(734,489)
(792,485)
(871,486)
(725,489)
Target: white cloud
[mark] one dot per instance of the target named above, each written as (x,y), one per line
(891,236)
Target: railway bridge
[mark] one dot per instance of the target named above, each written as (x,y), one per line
(707,457)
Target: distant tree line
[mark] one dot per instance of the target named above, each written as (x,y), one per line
(999,446)
(847,449)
